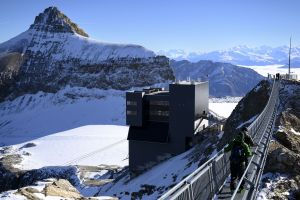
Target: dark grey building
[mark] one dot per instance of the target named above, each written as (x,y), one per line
(163,123)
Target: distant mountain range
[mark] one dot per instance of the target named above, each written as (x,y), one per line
(225,79)
(241,55)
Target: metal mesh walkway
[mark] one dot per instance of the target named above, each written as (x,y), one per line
(211,179)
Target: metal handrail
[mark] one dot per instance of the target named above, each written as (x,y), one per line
(264,115)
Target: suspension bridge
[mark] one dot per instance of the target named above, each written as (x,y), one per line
(209,181)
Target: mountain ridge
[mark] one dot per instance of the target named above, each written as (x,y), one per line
(225,79)
(240,55)
(54,52)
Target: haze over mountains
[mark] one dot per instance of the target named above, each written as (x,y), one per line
(241,55)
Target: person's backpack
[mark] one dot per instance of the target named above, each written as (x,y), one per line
(237,154)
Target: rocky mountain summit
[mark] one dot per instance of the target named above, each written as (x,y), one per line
(54,21)
(55,52)
(225,79)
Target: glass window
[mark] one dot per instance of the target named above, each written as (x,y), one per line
(131,103)
(131,112)
(159,113)
(159,103)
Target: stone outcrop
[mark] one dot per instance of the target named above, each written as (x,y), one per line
(58,23)
(28,193)
(250,106)
(61,188)
(283,160)
(289,140)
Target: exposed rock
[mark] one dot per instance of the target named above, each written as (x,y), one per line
(250,106)
(30,177)
(56,22)
(289,140)
(281,159)
(28,193)
(62,188)
(28,145)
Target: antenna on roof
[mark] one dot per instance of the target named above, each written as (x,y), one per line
(290,58)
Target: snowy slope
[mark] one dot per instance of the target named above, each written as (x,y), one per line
(52,26)
(72,123)
(75,46)
(88,145)
(66,126)
(80,126)
(34,116)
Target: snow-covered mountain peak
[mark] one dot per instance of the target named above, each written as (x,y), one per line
(55,52)
(53,20)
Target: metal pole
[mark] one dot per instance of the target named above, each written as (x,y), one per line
(290,58)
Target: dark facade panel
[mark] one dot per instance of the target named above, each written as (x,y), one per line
(134,108)
(182,111)
(145,155)
(163,123)
(151,132)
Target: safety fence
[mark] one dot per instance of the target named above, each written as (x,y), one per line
(208,180)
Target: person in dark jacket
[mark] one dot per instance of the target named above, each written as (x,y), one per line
(248,140)
(239,152)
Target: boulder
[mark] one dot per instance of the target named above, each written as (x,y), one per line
(28,193)
(281,159)
(289,140)
(62,188)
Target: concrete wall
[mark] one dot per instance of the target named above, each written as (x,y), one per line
(201,98)
(182,110)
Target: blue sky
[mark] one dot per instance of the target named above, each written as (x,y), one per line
(192,25)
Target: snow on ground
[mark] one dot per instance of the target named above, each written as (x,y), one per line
(79,126)
(87,145)
(161,176)
(269,182)
(227,99)
(222,109)
(73,126)
(37,115)
(272,69)
(295,132)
